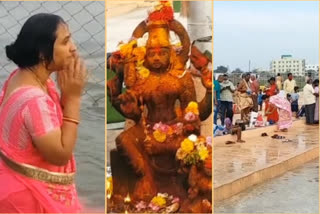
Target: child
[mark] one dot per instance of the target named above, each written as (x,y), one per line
(228,128)
(289,97)
(316,110)
(270,111)
(294,101)
(284,110)
(260,99)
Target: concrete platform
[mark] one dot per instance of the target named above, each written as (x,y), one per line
(240,166)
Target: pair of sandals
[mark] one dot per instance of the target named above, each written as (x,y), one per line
(233,142)
(281,137)
(275,136)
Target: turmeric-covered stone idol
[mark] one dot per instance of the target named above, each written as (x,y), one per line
(160,164)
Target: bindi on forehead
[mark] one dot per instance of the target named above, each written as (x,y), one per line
(157,50)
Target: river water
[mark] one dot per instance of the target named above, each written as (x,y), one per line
(296,191)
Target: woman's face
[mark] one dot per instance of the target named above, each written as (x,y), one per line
(64,49)
(247,78)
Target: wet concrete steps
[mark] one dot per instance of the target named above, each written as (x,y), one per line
(240,166)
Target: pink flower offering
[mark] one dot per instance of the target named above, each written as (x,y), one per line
(190,116)
(178,128)
(164,128)
(176,200)
(141,205)
(209,141)
(157,126)
(154,207)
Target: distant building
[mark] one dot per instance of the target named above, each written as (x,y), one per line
(262,70)
(314,68)
(287,64)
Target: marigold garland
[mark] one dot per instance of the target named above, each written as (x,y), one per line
(192,107)
(159,201)
(159,136)
(143,71)
(127,49)
(187,145)
(139,53)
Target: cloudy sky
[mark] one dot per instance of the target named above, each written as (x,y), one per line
(261,31)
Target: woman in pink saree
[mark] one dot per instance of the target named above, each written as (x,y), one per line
(284,110)
(38,129)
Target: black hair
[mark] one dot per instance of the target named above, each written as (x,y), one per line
(272,78)
(278,74)
(316,82)
(264,97)
(35,42)
(296,88)
(245,75)
(289,74)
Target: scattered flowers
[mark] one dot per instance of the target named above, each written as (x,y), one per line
(141,205)
(159,203)
(190,117)
(193,108)
(194,149)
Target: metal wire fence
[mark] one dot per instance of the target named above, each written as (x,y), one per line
(86,20)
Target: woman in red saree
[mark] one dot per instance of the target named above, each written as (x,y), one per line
(272,89)
(38,129)
(271,111)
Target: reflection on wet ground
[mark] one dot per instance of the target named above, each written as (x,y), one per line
(294,192)
(237,160)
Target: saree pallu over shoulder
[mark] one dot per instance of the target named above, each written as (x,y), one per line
(243,100)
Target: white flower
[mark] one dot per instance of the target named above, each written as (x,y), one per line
(163,195)
(141,42)
(193,138)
